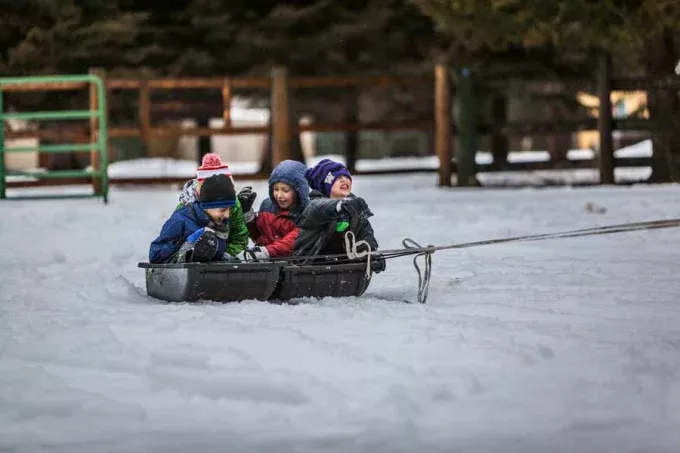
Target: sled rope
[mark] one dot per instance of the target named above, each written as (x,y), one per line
(396,253)
(411,247)
(621,228)
(424,277)
(351,246)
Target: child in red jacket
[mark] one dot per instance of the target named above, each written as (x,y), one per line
(274,228)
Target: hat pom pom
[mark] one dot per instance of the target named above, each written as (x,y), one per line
(211,160)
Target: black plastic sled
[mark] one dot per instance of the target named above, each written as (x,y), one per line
(233,282)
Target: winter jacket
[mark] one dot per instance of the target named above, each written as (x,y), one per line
(177,228)
(238,231)
(317,228)
(274,228)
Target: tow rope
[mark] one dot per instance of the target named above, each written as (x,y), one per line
(411,247)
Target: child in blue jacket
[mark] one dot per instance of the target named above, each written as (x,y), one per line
(197,232)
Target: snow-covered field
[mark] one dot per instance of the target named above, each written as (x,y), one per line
(569,345)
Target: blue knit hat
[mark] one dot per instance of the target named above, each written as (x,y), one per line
(322,176)
(292,173)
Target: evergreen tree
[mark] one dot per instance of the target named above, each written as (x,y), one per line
(640,35)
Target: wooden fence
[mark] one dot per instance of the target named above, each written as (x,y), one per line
(443,125)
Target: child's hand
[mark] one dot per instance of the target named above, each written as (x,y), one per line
(355,207)
(246,197)
(254,254)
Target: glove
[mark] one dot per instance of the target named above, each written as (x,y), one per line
(378,263)
(254,254)
(246,197)
(355,207)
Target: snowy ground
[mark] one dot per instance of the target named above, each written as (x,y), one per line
(564,346)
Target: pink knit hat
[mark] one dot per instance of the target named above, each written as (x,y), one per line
(212,165)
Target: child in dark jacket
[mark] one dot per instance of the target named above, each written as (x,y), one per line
(195,232)
(211,164)
(274,228)
(332,211)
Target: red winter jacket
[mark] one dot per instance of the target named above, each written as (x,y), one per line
(274,229)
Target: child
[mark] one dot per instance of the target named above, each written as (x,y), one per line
(333,210)
(274,227)
(237,230)
(195,232)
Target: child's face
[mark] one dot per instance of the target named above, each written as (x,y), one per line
(341,188)
(219,216)
(284,195)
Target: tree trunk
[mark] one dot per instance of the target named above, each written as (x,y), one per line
(467,136)
(663,110)
(295,142)
(500,145)
(558,143)
(351,137)
(266,156)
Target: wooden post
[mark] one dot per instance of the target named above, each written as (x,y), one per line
(226,102)
(144,112)
(95,160)
(604,121)
(280,116)
(442,122)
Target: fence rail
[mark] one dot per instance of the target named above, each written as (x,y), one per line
(96,114)
(445,85)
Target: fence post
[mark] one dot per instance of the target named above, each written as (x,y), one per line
(95,159)
(442,122)
(604,120)
(280,115)
(226,102)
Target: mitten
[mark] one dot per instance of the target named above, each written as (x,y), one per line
(205,244)
(260,253)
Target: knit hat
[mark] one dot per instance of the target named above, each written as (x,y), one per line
(292,173)
(212,165)
(217,192)
(322,176)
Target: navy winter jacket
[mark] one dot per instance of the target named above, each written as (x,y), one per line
(175,231)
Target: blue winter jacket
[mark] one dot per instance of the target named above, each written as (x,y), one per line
(175,231)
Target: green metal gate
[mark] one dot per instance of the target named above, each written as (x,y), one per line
(98,145)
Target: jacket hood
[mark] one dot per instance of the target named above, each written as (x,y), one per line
(292,173)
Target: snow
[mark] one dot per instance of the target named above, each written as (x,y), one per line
(160,167)
(563,345)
